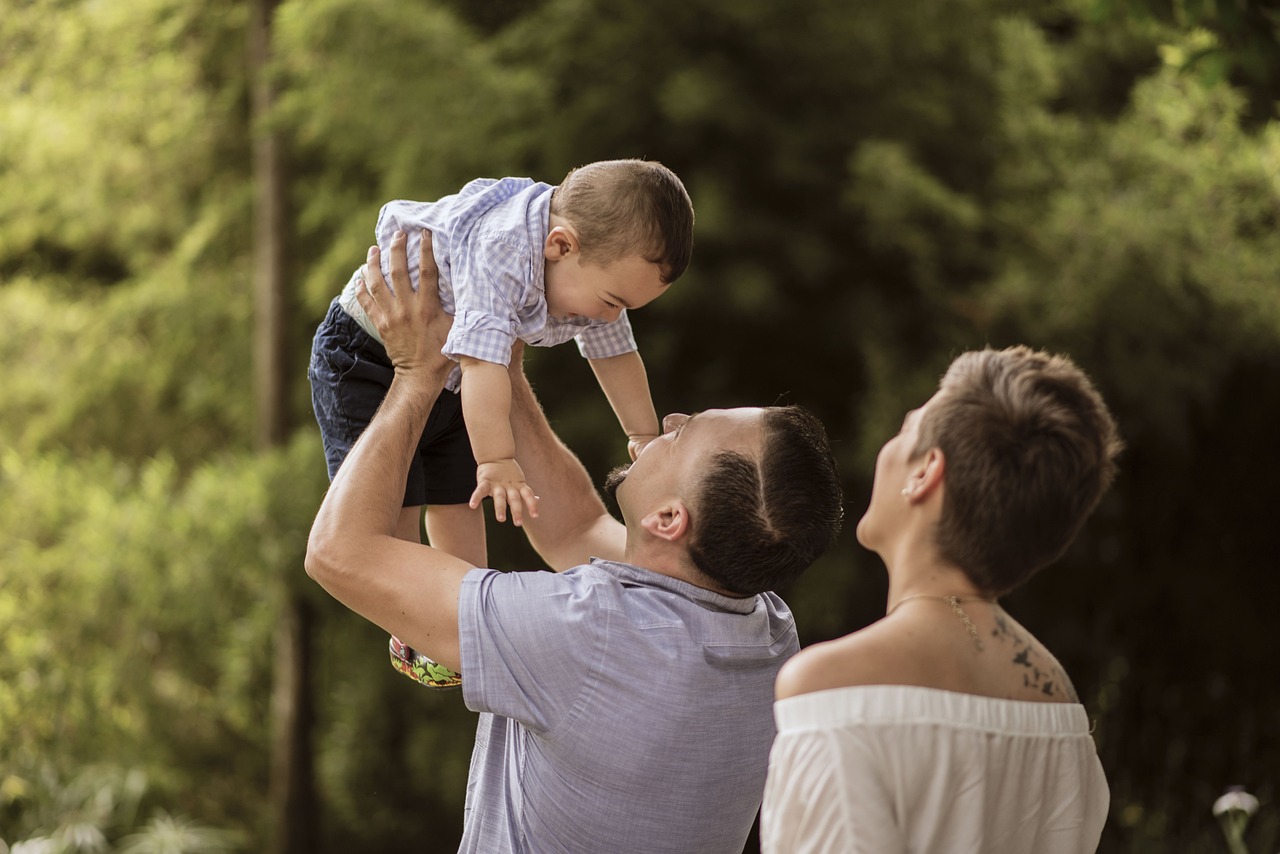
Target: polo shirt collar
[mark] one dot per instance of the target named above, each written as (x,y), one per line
(706,598)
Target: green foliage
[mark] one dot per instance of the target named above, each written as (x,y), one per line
(1171,217)
(107,159)
(444,91)
(129,369)
(1242,47)
(138,621)
(97,809)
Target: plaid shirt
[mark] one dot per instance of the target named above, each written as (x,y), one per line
(487,241)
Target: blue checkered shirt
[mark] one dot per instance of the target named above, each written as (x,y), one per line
(487,241)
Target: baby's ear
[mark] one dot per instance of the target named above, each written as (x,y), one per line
(561,242)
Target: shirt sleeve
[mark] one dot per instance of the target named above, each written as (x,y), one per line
(609,339)
(824,793)
(528,642)
(490,278)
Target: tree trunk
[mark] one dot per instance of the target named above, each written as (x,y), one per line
(292,789)
(271,338)
(293,800)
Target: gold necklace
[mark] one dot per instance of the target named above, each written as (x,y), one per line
(954,602)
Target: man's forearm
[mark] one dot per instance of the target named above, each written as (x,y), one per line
(410,590)
(572,523)
(366,495)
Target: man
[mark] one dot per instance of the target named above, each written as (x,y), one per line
(625,700)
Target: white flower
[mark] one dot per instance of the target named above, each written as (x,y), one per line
(1235,799)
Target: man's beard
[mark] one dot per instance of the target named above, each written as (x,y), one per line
(612,481)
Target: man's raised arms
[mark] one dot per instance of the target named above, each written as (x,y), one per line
(409,590)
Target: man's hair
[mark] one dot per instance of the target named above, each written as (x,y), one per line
(621,208)
(1029,449)
(758,524)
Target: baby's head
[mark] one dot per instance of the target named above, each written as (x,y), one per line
(621,232)
(620,208)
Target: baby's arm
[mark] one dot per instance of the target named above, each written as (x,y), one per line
(626,385)
(486,407)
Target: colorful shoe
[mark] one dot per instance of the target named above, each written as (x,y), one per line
(421,669)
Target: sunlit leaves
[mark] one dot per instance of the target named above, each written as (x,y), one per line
(105,133)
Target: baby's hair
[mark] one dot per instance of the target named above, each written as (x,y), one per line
(628,207)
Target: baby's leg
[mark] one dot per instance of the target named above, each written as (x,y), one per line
(458,530)
(409,527)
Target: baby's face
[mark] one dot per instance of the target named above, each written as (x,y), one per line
(601,292)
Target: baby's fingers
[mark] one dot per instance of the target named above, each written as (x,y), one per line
(500,504)
(483,488)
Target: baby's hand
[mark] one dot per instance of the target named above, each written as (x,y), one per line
(503,480)
(636,443)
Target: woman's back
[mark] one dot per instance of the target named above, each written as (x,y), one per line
(903,768)
(943,727)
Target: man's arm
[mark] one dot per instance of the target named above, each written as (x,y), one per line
(409,590)
(626,385)
(572,523)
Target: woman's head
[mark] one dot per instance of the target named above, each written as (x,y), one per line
(1028,448)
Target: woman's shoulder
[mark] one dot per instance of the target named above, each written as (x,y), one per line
(1002,661)
(871,656)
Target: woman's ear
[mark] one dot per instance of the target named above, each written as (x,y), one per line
(929,473)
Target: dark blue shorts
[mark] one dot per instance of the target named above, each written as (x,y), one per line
(350,374)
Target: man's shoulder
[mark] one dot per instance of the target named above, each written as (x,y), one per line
(579,582)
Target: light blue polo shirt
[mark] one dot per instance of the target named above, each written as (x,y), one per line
(621,710)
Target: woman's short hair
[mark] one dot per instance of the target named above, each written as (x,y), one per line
(620,208)
(1029,449)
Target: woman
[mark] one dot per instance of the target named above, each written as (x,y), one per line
(946,726)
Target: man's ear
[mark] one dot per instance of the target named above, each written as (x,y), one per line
(561,242)
(670,522)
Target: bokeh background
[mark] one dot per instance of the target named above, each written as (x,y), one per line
(879,185)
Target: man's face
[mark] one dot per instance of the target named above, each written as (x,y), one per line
(673,464)
(600,292)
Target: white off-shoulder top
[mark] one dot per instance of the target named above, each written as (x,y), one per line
(893,768)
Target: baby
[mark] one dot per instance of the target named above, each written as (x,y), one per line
(521,260)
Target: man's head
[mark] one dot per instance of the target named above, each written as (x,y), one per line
(751,495)
(1029,449)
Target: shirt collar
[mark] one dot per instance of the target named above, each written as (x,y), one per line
(706,598)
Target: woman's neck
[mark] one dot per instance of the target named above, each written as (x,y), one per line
(928,576)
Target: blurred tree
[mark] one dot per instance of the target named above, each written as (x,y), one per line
(293,793)
(1240,43)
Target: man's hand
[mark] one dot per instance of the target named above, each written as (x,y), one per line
(412,323)
(504,481)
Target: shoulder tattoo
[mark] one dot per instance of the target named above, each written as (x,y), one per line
(1047,677)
